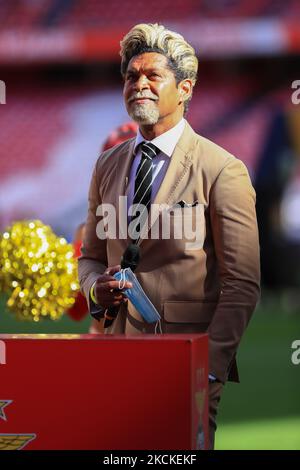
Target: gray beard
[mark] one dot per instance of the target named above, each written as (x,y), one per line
(144,114)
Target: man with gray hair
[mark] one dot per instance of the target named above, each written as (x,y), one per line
(206,280)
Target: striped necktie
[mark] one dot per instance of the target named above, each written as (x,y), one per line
(143,186)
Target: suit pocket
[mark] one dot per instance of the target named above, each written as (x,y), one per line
(187,311)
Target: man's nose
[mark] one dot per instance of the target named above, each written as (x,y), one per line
(141,83)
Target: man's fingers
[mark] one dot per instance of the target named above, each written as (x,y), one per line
(107,290)
(104,278)
(114,285)
(107,283)
(112,270)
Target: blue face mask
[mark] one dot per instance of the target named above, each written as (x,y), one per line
(137,296)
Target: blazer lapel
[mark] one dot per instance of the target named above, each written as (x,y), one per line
(123,168)
(121,187)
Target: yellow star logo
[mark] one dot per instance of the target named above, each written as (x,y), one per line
(3,404)
(12,441)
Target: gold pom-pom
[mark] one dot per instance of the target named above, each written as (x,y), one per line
(38,271)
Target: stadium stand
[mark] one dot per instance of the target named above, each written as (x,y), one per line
(92,13)
(51,133)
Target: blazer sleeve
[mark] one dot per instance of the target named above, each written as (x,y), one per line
(93,259)
(235,234)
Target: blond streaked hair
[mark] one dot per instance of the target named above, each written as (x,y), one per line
(150,37)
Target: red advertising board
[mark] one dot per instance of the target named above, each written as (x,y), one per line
(103,392)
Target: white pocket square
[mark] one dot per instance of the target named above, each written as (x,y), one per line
(184,204)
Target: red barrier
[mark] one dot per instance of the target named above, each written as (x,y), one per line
(104,392)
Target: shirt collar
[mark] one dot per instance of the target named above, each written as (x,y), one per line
(165,142)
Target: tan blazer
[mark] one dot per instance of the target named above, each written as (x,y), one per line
(212,285)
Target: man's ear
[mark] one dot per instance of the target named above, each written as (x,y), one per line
(185,89)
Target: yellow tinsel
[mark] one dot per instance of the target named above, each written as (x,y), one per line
(37,271)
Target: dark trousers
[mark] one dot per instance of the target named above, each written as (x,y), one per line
(214,390)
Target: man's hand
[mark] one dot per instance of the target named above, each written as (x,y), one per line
(107,290)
